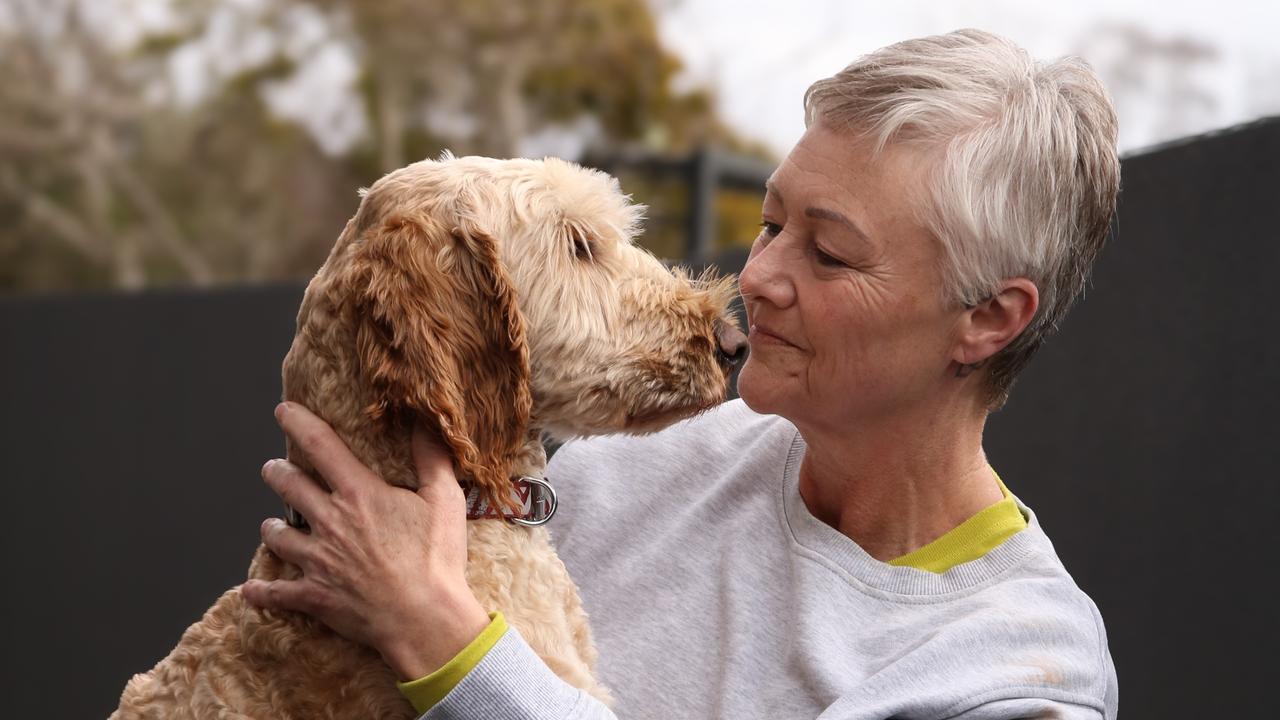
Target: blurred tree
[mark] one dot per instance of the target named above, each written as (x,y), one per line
(1163,87)
(105,186)
(68,119)
(219,145)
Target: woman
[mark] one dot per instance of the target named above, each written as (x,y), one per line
(835,545)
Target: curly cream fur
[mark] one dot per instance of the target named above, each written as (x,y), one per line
(493,301)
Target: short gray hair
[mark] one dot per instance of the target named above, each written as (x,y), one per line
(1024,172)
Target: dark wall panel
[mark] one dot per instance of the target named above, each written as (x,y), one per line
(133,429)
(1146,432)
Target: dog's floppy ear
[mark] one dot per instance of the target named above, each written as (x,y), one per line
(439,335)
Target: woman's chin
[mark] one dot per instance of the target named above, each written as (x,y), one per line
(758,390)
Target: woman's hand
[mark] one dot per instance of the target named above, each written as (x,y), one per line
(382,565)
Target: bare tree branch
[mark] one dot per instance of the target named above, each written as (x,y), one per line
(30,141)
(163,228)
(65,224)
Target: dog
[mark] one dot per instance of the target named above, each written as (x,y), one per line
(494,302)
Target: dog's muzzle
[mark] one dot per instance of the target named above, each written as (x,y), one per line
(731,343)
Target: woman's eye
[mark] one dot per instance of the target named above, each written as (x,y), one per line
(828,260)
(771,229)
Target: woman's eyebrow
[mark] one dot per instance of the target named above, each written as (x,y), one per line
(825,214)
(771,189)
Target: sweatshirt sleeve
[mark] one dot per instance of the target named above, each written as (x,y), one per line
(425,692)
(512,683)
(1020,708)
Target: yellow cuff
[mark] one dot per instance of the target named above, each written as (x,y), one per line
(425,692)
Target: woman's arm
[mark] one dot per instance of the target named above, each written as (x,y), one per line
(386,567)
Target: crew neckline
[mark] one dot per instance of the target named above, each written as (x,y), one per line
(978,535)
(826,544)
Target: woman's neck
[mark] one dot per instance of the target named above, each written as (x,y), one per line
(895,486)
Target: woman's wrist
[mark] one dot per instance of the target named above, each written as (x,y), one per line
(417,651)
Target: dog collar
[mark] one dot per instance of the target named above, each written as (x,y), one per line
(537,502)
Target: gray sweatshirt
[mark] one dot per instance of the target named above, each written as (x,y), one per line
(714,593)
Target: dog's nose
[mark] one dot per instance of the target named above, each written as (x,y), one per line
(733,344)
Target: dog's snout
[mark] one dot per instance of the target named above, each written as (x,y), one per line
(733,344)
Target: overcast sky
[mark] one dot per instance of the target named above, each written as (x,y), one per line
(760,56)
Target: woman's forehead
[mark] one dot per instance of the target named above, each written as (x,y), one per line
(841,172)
(842,160)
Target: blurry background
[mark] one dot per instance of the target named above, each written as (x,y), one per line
(153,143)
(198,142)
(172,171)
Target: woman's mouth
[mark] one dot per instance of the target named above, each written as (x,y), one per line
(761,335)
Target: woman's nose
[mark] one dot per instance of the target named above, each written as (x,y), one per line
(765,276)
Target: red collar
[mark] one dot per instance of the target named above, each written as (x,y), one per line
(536,496)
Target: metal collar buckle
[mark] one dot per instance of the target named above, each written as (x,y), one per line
(537,498)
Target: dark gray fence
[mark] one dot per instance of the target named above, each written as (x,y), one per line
(704,173)
(132,428)
(1145,435)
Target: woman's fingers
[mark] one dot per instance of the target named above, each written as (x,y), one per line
(280,595)
(382,566)
(322,446)
(297,489)
(290,544)
(433,465)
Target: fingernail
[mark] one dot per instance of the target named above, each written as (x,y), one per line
(281,409)
(268,464)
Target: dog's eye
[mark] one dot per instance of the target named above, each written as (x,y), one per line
(581,246)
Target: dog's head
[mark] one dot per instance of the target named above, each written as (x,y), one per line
(490,296)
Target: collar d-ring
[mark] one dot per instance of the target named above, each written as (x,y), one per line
(535,496)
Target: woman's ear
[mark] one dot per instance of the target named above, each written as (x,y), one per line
(439,335)
(988,327)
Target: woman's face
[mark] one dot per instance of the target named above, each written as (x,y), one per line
(842,289)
